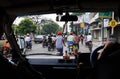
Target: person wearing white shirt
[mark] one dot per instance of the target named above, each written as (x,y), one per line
(89,37)
(28,40)
(89,41)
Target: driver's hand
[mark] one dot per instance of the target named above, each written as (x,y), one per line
(105,46)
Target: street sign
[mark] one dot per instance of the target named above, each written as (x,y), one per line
(82,24)
(113,23)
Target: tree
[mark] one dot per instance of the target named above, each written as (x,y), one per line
(37,20)
(15,29)
(26,26)
(50,27)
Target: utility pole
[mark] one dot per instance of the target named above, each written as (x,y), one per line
(112,32)
(102,29)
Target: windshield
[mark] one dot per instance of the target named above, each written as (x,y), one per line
(43,35)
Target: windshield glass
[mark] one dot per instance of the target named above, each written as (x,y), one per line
(43,35)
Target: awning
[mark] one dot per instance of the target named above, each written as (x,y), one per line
(96,29)
(94,18)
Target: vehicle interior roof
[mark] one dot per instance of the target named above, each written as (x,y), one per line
(23,7)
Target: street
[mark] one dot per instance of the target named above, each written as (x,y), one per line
(37,48)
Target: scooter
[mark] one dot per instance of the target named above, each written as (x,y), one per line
(28,45)
(49,46)
(44,43)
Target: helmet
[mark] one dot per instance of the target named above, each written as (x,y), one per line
(71,33)
(59,33)
(27,34)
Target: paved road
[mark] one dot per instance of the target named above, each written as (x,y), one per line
(37,48)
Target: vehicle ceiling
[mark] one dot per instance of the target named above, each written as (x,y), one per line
(23,7)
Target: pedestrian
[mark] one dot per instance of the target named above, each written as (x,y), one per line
(81,38)
(60,43)
(89,41)
(85,40)
(76,40)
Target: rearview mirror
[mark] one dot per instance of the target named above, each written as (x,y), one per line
(67,18)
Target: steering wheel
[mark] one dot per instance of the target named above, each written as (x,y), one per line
(93,55)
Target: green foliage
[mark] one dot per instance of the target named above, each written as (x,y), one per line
(50,27)
(26,26)
(15,29)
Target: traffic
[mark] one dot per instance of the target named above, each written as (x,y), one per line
(76,39)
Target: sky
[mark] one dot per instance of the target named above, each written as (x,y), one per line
(53,17)
(48,16)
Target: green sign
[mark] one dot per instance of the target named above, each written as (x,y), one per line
(105,14)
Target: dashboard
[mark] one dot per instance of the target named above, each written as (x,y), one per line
(56,61)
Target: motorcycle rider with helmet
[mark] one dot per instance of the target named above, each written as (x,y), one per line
(28,41)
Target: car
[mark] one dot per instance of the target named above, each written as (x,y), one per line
(47,65)
(38,38)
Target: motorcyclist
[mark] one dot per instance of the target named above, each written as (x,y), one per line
(44,42)
(49,42)
(28,41)
(70,40)
(53,41)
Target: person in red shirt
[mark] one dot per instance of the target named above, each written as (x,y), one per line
(76,40)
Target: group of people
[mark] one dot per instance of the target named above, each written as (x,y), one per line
(72,39)
(58,41)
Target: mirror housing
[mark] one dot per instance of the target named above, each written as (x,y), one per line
(69,18)
(66,17)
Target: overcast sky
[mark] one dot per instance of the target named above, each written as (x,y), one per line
(53,17)
(48,16)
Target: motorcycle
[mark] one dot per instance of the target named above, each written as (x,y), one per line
(28,45)
(71,47)
(49,46)
(44,43)
(90,45)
